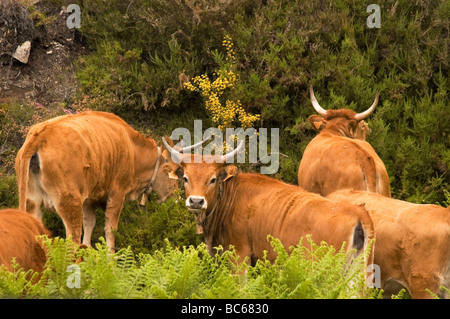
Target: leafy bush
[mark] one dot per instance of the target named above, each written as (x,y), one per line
(9,193)
(188,272)
(225,113)
(15,121)
(280,48)
(148,228)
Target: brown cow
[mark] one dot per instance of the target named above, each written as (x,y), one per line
(242,209)
(338,157)
(75,163)
(412,240)
(18,232)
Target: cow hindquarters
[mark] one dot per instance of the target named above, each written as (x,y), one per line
(358,237)
(359,242)
(31,194)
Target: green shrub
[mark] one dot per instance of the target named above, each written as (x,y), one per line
(319,272)
(15,121)
(146,229)
(188,272)
(280,49)
(9,194)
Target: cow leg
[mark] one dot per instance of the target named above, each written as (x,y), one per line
(71,211)
(88,222)
(245,255)
(113,208)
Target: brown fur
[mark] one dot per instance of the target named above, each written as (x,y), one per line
(339,158)
(412,240)
(87,160)
(18,232)
(242,209)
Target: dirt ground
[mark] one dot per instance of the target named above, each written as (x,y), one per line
(48,76)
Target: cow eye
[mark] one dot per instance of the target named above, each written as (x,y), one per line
(185,179)
(213,180)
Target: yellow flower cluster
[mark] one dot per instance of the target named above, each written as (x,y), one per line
(228,44)
(222,115)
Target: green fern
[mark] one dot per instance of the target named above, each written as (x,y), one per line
(16,283)
(306,270)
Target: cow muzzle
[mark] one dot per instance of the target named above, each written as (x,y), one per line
(198,205)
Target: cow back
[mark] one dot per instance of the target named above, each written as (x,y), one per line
(256,206)
(18,232)
(413,240)
(330,163)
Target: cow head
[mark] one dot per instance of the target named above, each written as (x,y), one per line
(203,182)
(162,184)
(343,122)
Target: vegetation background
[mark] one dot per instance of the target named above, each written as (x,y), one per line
(140,53)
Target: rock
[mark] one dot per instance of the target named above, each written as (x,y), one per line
(23,52)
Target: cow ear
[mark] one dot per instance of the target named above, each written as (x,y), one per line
(174,170)
(166,156)
(316,122)
(352,126)
(228,172)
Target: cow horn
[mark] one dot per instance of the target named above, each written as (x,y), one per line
(188,148)
(176,156)
(316,104)
(230,155)
(363,115)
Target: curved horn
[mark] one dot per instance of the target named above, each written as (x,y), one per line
(176,156)
(366,113)
(230,155)
(316,104)
(188,148)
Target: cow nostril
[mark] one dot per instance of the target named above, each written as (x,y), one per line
(196,202)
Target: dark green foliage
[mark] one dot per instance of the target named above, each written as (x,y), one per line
(9,194)
(146,229)
(144,50)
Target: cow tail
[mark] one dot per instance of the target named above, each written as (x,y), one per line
(363,235)
(369,171)
(22,179)
(359,237)
(26,155)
